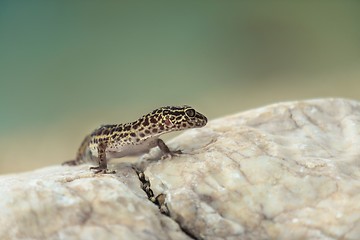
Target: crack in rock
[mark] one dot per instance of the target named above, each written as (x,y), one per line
(159,200)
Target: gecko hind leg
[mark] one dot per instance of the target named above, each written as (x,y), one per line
(102,167)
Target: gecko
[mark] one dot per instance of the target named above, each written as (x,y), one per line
(135,138)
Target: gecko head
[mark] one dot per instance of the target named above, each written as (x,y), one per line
(182,117)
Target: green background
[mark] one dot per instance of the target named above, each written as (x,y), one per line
(68,66)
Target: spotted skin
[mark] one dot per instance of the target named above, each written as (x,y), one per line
(130,139)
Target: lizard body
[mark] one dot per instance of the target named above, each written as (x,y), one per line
(129,139)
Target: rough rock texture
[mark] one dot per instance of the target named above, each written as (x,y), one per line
(285,171)
(72,203)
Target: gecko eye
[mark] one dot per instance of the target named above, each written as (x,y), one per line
(190,112)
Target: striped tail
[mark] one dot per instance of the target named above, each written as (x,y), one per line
(82,153)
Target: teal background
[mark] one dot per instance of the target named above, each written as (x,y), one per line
(69,66)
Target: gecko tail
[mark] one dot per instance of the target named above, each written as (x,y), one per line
(71,163)
(82,153)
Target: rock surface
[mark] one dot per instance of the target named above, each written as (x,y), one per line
(285,171)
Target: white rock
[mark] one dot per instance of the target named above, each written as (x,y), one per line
(285,171)
(72,203)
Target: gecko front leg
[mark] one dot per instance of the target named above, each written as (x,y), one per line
(165,149)
(102,168)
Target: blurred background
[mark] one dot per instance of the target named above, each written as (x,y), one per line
(68,66)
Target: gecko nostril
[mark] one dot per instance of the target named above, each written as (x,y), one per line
(205,119)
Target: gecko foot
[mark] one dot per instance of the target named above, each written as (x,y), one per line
(99,169)
(171,154)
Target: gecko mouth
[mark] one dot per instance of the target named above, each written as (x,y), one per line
(201,120)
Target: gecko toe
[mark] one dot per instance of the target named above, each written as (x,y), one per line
(102,170)
(171,154)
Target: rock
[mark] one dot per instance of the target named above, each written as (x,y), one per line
(73,203)
(285,171)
